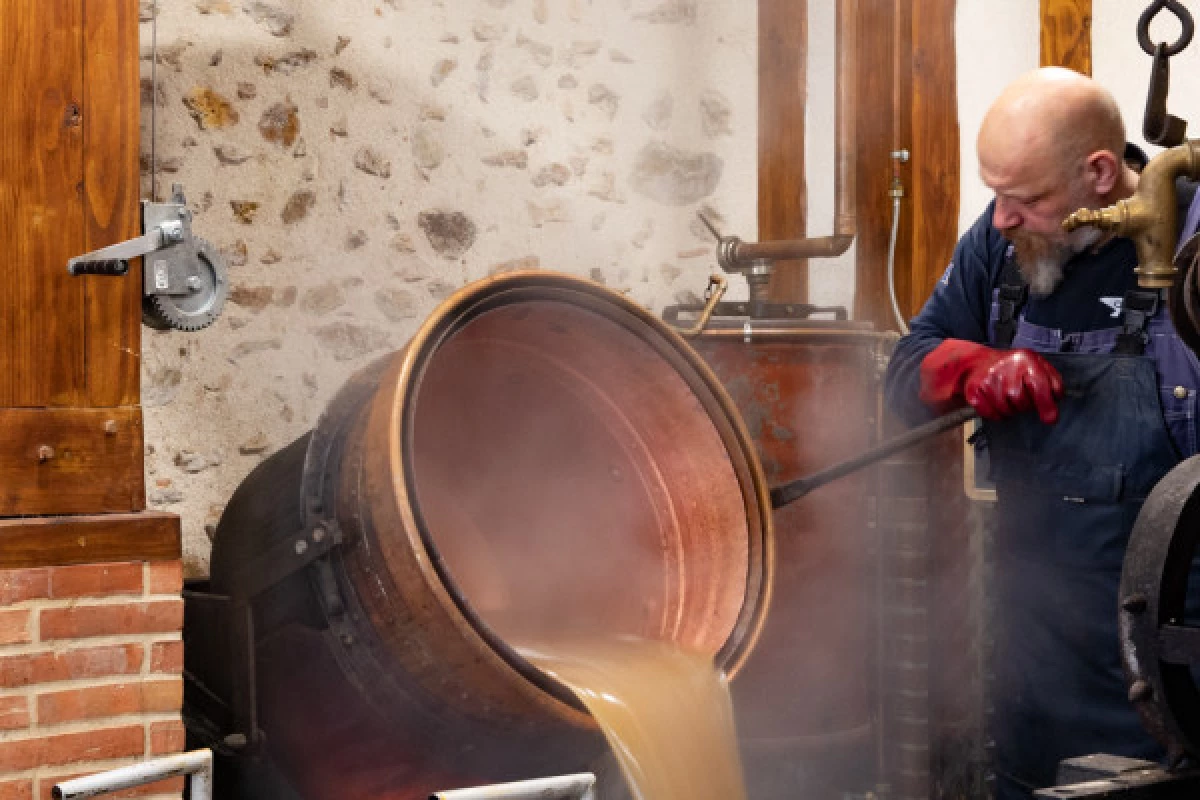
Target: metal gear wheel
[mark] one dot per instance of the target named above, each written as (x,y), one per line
(197,309)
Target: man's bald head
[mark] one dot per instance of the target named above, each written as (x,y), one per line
(1052,143)
(1051,119)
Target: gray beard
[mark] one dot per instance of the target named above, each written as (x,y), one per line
(1041,260)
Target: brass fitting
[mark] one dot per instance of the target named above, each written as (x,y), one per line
(1150,216)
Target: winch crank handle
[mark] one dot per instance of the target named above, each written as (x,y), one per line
(717,284)
(789,492)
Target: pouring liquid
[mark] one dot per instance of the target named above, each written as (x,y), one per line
(665,712)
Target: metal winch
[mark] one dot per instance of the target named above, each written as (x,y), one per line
(184,282)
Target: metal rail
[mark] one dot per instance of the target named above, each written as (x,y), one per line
(198,764)
(579,786)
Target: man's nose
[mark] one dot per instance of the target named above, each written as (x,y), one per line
(1004,216)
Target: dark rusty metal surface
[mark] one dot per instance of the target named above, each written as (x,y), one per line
(1157,646)
(808,392)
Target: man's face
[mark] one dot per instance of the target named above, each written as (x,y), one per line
(1033,197)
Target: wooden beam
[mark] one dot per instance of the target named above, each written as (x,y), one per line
(782,96)
(1067,34)
(111,188)
(935,158)
(108,538)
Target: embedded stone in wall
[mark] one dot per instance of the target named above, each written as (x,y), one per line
(604,97)
(669,272)
(396,304)
(617,57)
(432,112)
(244,211)
(450,233)
(568,81)
(402,243)
(160,384)
(192,462)
(322,299)
(672,12)
(372,162)
(246,90)
(167,164)
(237,253)
(256,444)
(643,234)
(427,148)
(525,88)
(606,189)
(515,265)
(675,177)
(715,113)
(254,298)
(412,270)
(342,79)
(255,346)
(287,63)
(171,55)
(508,158)
(381,90)
(598,276)
(355,240)
(272,256)
(209,109)
(280,124)
(441,69)
(230,154)
(486,32)
(340,126)
(554,211)
(298,206)
(286,297)
(214,7)
(698,228)
(542,54)
(215,59)
(439,290)
(555,174)
(581,52)
(346,341)
(658,114)
(340,45)
(277,21)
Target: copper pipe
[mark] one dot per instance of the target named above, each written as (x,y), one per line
(733,253)
(1150,216)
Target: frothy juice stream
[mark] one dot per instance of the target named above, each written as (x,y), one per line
(665,712)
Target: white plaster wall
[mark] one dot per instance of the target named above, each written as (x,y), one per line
(993,49)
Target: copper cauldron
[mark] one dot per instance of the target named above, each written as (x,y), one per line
(544,458)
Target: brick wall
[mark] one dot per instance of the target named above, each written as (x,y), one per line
(90,673)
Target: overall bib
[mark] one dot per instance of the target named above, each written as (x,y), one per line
(1068,495)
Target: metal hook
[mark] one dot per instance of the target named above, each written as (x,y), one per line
(1158,126)
(1180,12)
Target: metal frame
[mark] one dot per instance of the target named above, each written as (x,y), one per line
(578,786)
(197,764)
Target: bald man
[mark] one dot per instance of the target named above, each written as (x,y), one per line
(1088,396)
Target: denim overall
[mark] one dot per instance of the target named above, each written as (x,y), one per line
(1068,495)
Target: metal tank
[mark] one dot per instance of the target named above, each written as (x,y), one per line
(809,391)
(543,457)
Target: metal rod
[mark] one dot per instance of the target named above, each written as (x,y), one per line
(782,495)
(579,786)
(197,763)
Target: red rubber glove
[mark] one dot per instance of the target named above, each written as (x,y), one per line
(996,383)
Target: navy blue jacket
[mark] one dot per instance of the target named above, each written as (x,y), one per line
(1088,299)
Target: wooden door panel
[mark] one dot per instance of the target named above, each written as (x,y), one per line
(111,188)
(41,216)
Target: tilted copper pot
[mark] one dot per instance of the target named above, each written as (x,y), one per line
(544,459)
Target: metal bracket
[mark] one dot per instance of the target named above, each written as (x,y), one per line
(1158,126)
(285,558)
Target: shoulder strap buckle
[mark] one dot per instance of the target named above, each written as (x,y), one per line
(1137,309)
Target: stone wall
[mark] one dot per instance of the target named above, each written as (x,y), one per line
(358,161)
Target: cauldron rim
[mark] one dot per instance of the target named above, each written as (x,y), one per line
(477,298)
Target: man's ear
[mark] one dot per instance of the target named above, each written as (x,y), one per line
(1103,170)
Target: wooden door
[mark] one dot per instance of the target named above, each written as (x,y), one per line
(70,423)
